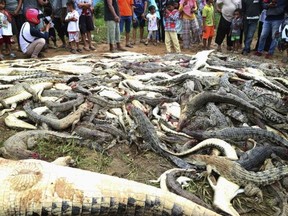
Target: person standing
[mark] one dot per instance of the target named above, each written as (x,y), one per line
(235,31)
(171,17)
(14,7)
(274,17)
(251,10)
(208,23)
(140,6)
(190,23)
(152,25)
(86,25)
(227,9)
(59,13)
(126,13)
(112,19)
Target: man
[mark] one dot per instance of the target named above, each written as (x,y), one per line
(251,10)
(59,12)
(140,6)
(32,41)
(112,18)
(34,4)
(126,13)
(274,17)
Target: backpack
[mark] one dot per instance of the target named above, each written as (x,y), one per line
(283,35)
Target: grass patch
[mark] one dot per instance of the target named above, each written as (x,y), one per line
(85,158)
(133,167)
(99,35)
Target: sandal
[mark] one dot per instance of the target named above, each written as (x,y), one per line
(87,49)
(92,48)
(79,50)
(73,51)
(129,45)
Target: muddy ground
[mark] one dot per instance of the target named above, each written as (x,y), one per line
(125,160)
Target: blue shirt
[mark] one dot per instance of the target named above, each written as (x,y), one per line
(139,7)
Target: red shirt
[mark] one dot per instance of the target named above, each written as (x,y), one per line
(125,7)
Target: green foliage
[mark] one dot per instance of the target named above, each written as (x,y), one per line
(99,9)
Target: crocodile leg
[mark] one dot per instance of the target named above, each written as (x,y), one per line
(33,187)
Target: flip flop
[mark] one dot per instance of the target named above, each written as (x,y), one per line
(129,45)
(85,48)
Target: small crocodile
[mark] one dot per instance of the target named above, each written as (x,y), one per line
(65,106)
(17,146)
(255,158)
(234,172)
(239,134)
(202,98)
(107,104)
(33,187)
(59,124)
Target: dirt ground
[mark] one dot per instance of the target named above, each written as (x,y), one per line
(121,160)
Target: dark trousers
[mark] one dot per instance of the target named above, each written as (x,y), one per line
(268,39)
(60,27)
(223,31)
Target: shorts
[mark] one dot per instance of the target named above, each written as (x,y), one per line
(209,32)
(235,37)
(73,36)
(86,24)
(7,39)
(127,20)
(139,22)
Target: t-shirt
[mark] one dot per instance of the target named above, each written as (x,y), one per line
(152,22)
(228,8)
(73,26)
(139,7)
(108,16)
(83,11)
(125,7)
(30,4)
(11,6)
(57,6)
(236,25)
(208,12)
(6,25)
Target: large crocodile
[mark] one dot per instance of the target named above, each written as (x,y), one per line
(33,187)
(202,98)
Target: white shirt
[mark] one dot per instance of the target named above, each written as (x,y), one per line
(228,8)
(73,26)
(25,38)
(6,25)
(152,22)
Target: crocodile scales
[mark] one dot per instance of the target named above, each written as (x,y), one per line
(42,188)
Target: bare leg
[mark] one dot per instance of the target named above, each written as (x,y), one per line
(209,42)
(141,33)
(86,46)
(204,43)
(127,38)
(134,34)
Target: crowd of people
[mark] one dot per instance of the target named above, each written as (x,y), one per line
(178,23)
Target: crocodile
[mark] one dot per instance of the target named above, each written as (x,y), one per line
(34,187)
(239,134)
(59,124)
(65,106)
(16,146)
(148,133)
(255,158)
(217,117)
(107,104)
(234,172)
(202,98)
(13,78)
(275,117)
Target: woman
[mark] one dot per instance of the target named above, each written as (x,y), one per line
(188,8)
(227,9)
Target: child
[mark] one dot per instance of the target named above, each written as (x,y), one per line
(6,30)
(208,23)
(171,17)
(73,27)
(152,24)
(48,19)
(179,23)
(235,31)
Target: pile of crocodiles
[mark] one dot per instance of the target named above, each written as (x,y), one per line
(213,116)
